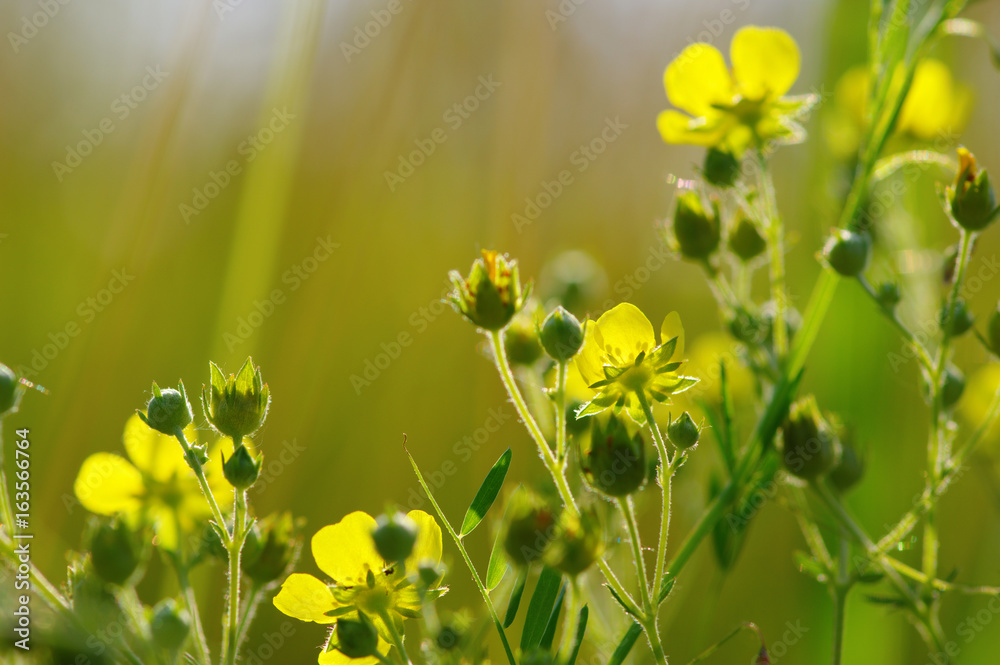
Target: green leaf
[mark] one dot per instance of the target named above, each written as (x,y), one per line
(487,494)
(550,627)
(621,601)
(540,608)
(666,587)
(581,628)
(625,646)
(515,598)
(497,566)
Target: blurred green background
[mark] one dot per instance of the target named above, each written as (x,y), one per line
(309,118)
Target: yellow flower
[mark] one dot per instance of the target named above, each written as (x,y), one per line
(734,110)
(157,487)
(362,581)
(620,360)
(937,106)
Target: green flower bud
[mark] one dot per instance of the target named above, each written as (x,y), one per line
(888,295)
(971,198)
(574,279)
(745,240)
(952,387)
(270,547)
(491,295)
(748,327)
(356,638)
(430,573)
(241,469)
(169,625)
(528,531)
(561,334)
(722,169)
(577,543)
(809,445)
(169,411)
(957,319)
(993,331)
(9,389)
(848,252)
(448,638)
(236,406)
(849,469)
(696,231)
(115,551)
(613,459)
(682,432)
(394,536)
(520,341)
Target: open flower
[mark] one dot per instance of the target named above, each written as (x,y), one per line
(739,108)
(620,360)
(157,487)
(362,581)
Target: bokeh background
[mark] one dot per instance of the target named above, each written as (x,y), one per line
(343,114)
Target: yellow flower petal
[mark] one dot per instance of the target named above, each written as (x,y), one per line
(697,79)
(428,545)
(590,359)
(675,127)
(305,598)
(109,484)
(672,328)
(765,62)
(623,333)
(345,550)
(157,454)
(934,104)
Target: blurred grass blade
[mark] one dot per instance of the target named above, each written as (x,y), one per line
(550,627)
(540,608)
(625,646)
(497,567)
(515,598)
(486,495)
(581,628)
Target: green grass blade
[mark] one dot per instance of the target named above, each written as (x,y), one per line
(540,608)
(550,627)
(487,494)
(497,567)
(515,598)
(625,646)
(581,628)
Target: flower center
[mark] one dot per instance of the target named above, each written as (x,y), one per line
(636,377)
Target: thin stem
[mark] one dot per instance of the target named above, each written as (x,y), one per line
(922,355)
(198,630)
(397,639)
(561,452)
(776,255)
(252,602)
(840,589)
(628,512)
(715,647)
(206,489)
(231,643)
(666,472)
(468,560)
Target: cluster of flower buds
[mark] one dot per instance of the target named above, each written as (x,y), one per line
(236,406)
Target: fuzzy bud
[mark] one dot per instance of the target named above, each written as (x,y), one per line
(168,411)
(696,230)
(848,252)
(613,459)
(809,445)
(683,432)
(394,536)
(561,334)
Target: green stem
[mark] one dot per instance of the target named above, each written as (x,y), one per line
(468,560)
(198,630)
(628,513)
(561,452)
(922,355)
(776,255)
(666,472)
(397,639)
(206,489)
(252,602)
(840,588)
(231,643)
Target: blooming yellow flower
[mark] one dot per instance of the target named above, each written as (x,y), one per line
(620,360)
(734,110)
(362,581)
(157,487)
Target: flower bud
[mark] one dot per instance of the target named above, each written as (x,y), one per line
(561,334)
(577,543)
(236,406)
(613,460)
(695,230)
(115,551)
(971,198)
(952,387)
(9,389)
(169,411)
(888,295)
(448,638)
(748,327)
(520,341)
(957,319)
(809,445)
(848,252)
(169,625)
(745,240)
(394,536)
(356,638)
(528,531)
(241,469)
(993,331)
(491,295)
(270,547)
(682,432)
(722,169)
(849,469)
